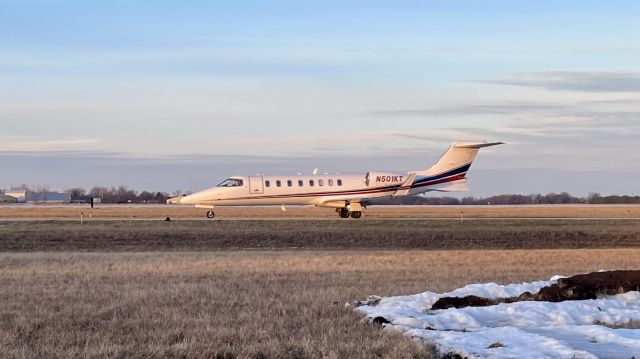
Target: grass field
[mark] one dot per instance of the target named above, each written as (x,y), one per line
(184,212)
(241,304)
(261,288)
(185,235)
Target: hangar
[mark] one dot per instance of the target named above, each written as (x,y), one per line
(19,195)
(7,199)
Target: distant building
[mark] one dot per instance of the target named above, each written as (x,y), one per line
(7,199)
(48,197)
(19,195)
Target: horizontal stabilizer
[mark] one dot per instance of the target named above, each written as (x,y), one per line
(476,145)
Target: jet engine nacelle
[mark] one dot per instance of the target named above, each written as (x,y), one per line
(376,179)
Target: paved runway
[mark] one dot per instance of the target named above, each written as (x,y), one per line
(457,219)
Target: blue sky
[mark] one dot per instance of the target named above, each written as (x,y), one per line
(169,82)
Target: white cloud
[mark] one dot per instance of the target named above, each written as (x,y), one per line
(13,144)
(586,81)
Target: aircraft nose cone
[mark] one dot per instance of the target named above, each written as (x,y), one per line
(194,198)
(173,200)
(178,200)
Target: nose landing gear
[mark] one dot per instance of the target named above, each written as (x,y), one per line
(210,214)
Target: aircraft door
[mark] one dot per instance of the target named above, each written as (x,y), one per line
(255,185)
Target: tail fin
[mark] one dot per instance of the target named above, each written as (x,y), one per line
(457,159)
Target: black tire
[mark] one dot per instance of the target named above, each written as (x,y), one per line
(356,214)
(344,213)
(210,214)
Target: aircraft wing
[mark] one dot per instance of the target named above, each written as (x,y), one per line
(406,186)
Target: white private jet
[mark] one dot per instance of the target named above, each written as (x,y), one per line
(347,194)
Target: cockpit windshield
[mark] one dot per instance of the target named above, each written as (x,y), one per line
(231,182)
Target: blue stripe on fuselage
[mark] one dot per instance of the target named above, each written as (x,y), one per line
(455,171)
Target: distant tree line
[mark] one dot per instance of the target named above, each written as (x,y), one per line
(515,199)
(120,194)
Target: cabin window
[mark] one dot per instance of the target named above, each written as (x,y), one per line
(231,182)
(311,183)
(300,183)
(339,182)
(330,182)
(267,183)
(278,183)
(320,182)
(289,183)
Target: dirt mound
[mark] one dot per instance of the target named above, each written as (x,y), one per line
(578,287)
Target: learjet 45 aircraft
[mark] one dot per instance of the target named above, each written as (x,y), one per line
(347,194)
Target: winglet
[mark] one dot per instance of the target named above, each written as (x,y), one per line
(406,186)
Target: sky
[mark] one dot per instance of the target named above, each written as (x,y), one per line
(169,95)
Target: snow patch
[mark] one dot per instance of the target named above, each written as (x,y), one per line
(529,329)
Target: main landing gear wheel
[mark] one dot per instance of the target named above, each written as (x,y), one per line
(356,214)
(344,213)
(210,214)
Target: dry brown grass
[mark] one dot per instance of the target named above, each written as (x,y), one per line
(186,235)
(245,304)
(182,212)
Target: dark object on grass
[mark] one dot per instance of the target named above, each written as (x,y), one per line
(452,355)
(168,219)
(578,287)
(380,321)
